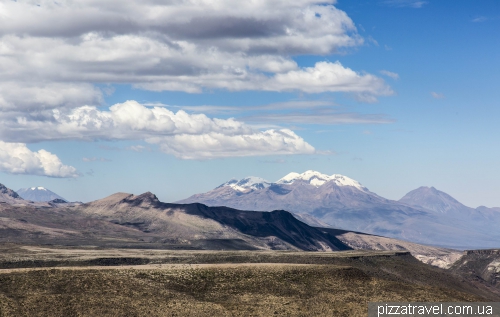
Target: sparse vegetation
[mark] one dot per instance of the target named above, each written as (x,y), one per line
(309,290)
(339,284)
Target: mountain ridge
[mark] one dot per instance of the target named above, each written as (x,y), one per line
(439,220)
(262,230)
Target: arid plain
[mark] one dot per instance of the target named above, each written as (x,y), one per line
(56,281)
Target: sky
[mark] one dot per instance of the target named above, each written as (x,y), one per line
(177,97)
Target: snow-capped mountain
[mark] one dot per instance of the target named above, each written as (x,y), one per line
(38,194)
(245,184)
(346,204)
(299,193)
(318,179)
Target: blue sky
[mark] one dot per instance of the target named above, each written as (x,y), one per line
(396,94)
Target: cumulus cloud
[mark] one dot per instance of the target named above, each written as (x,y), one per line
(184,135)
(181,45)
(218,145)
(326,76)
(125,121)
(16,158)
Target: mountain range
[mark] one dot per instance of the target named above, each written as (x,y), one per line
(142,221)
(425,215)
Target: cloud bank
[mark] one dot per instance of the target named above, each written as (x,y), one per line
(187,136)
(181,45)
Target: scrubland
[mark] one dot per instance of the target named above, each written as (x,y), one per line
(216,283)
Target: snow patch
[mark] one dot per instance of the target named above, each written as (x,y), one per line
(37,188)
(318,179)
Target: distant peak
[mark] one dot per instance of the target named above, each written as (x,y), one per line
(38,193)
(432,199)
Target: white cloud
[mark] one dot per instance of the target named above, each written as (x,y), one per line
(390,74)
(28,96)
(181,45)
(253,26)
(49,71)
(16,158)
(326,76)
(126,121)
(437,95)
(218,145)
(184,135)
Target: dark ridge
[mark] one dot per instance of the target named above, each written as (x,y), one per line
(278,223)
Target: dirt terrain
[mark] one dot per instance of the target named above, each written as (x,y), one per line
(61,281)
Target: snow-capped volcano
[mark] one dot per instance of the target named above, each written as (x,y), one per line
(246,184)
(309,192)
(311,177)
(318,179)
(38,193)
